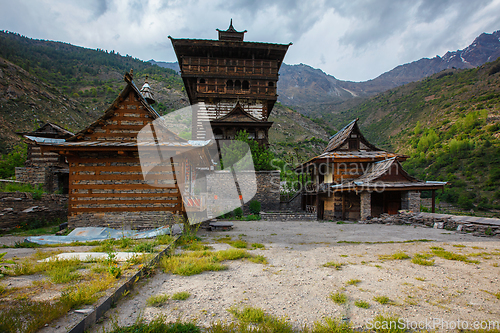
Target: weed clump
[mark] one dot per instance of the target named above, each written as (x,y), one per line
(336,265)
(362,304)
(338,297)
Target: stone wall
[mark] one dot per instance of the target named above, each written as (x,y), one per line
(410,200)
(266,189)
(292,205)
(31,175)
(288,216)
(366,205)
(484,227)
(17,208)
(124,220)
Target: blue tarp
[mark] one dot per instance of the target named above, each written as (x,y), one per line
(88,234)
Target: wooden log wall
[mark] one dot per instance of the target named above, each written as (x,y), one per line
(102,182)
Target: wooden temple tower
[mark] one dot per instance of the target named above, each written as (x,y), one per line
(232,82)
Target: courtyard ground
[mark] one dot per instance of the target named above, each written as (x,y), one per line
(462,284)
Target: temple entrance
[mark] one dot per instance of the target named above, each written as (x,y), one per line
(386,202)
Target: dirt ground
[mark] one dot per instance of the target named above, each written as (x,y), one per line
(296,284)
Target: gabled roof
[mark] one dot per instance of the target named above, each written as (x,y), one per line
(111,109)
(49,130)
(381,168)
(374,178)
(238,115)
(341,136)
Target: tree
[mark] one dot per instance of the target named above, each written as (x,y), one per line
(233,153)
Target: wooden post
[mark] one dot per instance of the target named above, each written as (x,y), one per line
(433,201)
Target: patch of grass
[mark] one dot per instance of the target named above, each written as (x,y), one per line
(440,252)
(400,255)
(87,292)
(181,296)
(145,247)
(421,259)
(459,245)
(336,265)
(419,278)
(157,325)
(382,299)
(497,295)
(338,297)
(196,246)
(259,259)
(157,300)
(196,262)
(362,304)
(386,324)
(353,282)
(239,243)
(258,245)
(330,325)
(248,314)
(341,222)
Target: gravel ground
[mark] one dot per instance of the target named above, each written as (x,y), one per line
(295,284)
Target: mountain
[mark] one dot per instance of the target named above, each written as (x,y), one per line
(43,81)
(313,92)
(172,65)
(449,125)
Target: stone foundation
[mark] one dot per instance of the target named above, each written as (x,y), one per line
(288,216)
(124,220)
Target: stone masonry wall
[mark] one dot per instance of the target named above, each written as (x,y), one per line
(124,220)
(366,205)
(410,200)
(17,208)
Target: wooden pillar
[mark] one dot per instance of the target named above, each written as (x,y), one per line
(433,201)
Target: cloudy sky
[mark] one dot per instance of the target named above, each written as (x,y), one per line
(353,40)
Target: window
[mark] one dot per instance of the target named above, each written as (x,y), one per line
(229,84)
(237,84)
(202,81)
(353,144)
(245,85)
(270,84)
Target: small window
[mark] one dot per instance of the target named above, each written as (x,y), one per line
(353,144)
(229,84)
(202,81)
(251,135)
(245,85)
(237,84)
(270,84)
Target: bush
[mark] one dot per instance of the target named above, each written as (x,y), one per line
(238,212)
(254,207)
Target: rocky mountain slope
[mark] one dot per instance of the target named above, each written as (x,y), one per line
(313,92)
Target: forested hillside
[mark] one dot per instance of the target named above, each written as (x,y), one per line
(449,124)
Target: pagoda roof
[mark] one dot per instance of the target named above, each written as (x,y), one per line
(341,136)
(49,130)
(111,109)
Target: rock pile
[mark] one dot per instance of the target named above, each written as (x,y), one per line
(485,228)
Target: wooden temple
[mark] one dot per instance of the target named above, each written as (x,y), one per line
(50,169)
(232,82)
(107,185)
(353,179)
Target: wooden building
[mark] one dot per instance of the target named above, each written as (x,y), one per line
(107,164)
(233,82)
(50,169)
(353,179)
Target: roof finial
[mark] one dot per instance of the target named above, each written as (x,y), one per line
(131,73)
(231,24)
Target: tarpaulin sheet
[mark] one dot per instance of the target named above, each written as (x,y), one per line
(88,234)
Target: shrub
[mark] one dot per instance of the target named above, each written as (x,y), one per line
(238,212)
(254,207)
